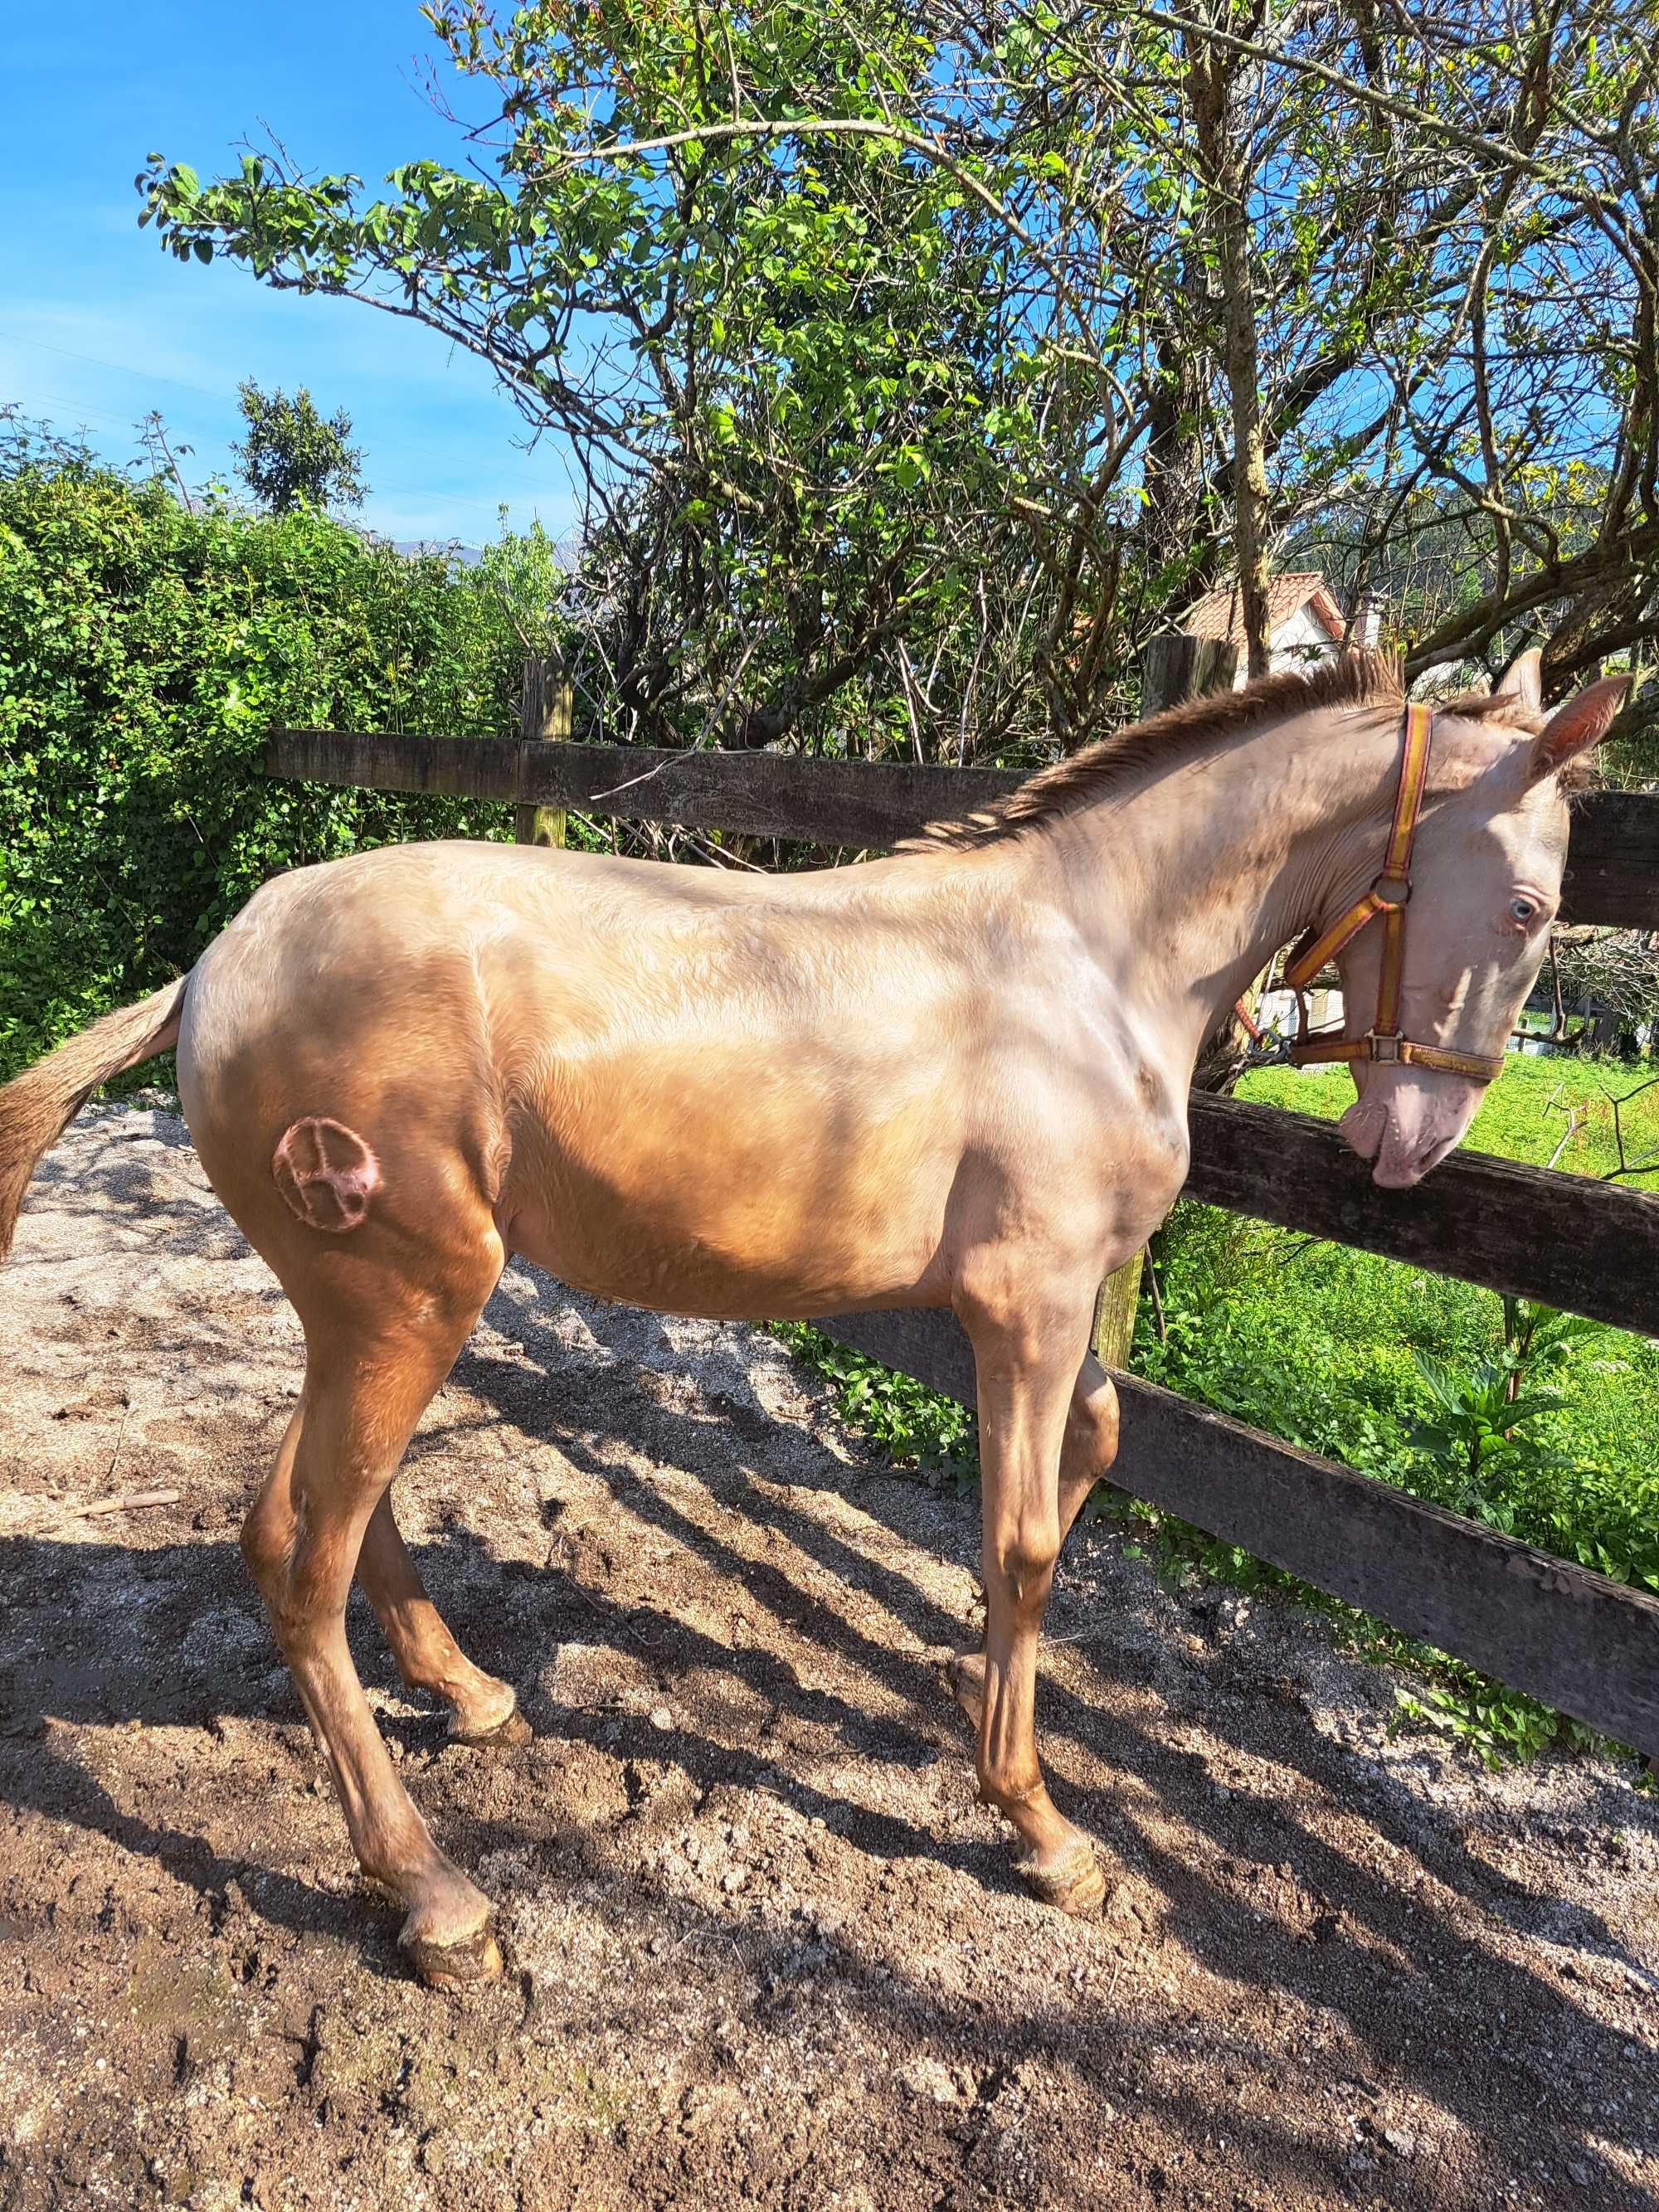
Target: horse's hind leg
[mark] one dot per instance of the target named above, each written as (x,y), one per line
(483,1710)
(366,1386)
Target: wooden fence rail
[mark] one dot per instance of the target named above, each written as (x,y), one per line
(1584,1644)
(1570,1241)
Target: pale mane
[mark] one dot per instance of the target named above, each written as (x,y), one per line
(1195,727)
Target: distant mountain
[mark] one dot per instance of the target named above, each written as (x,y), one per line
(468,556)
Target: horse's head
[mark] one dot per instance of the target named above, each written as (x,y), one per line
(1486,882)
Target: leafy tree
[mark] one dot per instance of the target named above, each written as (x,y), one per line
(291,454)
(145,652)
(921,363)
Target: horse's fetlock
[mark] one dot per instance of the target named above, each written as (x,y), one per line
(1011,1793)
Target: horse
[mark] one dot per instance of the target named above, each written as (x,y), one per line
(953,1077)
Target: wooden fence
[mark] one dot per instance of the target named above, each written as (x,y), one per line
(1584,1644)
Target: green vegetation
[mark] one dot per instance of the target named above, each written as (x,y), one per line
(924,362)
(145,649)
(1524,1116)
(292,456)
(1323,1345)
(1402,1374)
(914,1425)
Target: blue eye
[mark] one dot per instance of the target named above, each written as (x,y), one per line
(1523,909)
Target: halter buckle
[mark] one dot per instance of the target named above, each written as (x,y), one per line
(1385,1047)
(1392,890)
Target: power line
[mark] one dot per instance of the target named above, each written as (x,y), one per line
(63,409)
(121,367)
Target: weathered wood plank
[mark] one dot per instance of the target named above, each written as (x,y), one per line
(1590,1247)
(1174,666)
(451,767)
(546,704)
(1613,860)
(1581,1642)
(1613,869)
(855,804)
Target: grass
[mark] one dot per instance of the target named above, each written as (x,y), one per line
(1323,1346)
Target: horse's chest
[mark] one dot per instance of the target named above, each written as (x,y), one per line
(1142,1144)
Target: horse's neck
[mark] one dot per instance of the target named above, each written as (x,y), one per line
(1185,886)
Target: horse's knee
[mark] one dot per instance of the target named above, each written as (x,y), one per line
(302,1574)
(267,1546)
(1091,1428)
(1024,1547)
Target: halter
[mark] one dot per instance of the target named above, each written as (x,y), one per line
(1383,1044)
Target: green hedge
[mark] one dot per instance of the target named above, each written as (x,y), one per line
(144,651)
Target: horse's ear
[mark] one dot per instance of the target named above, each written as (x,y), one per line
(1523,681)
(1574,728)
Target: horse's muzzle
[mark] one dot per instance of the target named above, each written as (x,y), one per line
(1406,1121)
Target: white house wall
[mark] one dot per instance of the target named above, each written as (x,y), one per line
(1302,641)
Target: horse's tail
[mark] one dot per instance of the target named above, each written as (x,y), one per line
(36,1108)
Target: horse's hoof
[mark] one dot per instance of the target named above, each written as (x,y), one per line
(1071,1883)
(512,1728)
(474,1961)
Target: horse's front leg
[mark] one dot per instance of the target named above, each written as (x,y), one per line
(1087,1452)
(1028,1364)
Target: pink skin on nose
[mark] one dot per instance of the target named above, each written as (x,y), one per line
(326,1174)
(1406,1122)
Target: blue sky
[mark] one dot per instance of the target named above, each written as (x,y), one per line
(98,325)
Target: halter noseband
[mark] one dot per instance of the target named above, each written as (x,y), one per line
(1382,1043)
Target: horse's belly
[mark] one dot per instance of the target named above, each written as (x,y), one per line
(691,1279)
(718,1203)
(728,1259)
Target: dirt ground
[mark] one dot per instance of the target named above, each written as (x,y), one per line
(763,1946)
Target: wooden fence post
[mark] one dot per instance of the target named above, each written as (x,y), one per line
(545,711)
(1173,668)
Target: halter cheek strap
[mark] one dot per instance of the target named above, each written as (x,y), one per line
(1388,897)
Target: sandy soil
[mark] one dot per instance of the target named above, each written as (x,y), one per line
(763,1946)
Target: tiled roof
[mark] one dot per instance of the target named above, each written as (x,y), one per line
(1220,613)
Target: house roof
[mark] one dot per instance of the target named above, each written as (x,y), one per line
(1220,613)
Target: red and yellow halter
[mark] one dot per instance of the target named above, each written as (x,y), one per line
(1388,897)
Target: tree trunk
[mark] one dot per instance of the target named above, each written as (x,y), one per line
(1210,77)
